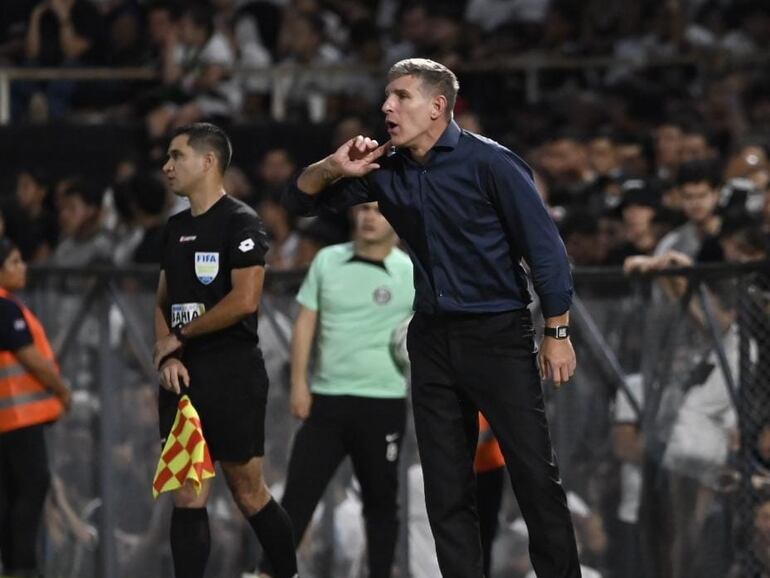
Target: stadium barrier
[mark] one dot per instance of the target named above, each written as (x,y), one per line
(686,354)
(531,67)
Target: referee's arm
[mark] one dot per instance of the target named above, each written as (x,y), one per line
(173,373)
(242,300)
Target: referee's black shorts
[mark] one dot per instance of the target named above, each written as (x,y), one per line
(228,388)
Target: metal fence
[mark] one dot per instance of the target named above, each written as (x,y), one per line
(663,435)
(529,74)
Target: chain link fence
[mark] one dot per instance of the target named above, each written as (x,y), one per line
(663,436)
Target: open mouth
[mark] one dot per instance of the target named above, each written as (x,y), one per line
(391,126)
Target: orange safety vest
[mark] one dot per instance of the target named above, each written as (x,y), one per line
(488,453)
(24,401)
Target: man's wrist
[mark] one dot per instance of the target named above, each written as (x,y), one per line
(557,331)
(173,355)
(299,385)
(178,331)
(330,170)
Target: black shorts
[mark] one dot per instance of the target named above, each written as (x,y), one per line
(228,388)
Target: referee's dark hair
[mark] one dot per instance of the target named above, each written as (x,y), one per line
(203,137)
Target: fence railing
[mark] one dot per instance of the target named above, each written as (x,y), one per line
(663,435)
(531,65)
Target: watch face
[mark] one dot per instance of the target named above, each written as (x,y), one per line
(562,332)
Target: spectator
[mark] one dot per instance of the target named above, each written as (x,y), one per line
(564,161)
(696,146)
(638,209)
(254,31)
(31,223)
(348,127)
(13,23)
(491,14)
(149,204)
(363,88)
(603,157)
(162,31)
(284,240)
(274,172)
(698,184)
(414,30)
(237,185)
(668,149)
(84,241)
(580,231)
(60,33)
(309,92)
(125,46)
(200,72)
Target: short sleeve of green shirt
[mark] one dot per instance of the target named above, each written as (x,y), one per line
(309,292)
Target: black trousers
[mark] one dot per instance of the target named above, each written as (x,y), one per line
(24,481)
(489,498)
(370,431)
(465,363)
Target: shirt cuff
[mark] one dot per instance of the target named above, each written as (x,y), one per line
(555,304)
(298,202)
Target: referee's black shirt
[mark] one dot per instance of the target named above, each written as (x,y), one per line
(469,215)
(199,255)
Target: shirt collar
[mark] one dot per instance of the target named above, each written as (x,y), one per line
(447,141)
(449,138)
(381,264)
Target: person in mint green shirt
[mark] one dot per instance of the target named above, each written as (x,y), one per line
(353,298)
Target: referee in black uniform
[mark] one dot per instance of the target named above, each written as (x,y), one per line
(468,209)
(212,270)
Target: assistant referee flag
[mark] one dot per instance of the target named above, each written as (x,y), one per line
(185,455)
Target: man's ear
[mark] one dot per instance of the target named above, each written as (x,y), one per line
(439,106)
(209,161)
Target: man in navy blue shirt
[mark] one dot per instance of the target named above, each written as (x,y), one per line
(469,212)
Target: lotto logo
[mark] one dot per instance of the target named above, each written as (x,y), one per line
(246,245)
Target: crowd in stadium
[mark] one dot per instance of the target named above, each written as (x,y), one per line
(658,158)
(606,145)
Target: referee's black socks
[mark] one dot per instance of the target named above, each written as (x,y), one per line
(190,541)
(272,526)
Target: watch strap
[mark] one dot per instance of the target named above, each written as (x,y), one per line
(558,332)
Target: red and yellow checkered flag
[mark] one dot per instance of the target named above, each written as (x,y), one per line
(185,455)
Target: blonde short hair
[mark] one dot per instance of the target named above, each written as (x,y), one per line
(433,74)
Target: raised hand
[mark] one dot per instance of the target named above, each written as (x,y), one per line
(357,157)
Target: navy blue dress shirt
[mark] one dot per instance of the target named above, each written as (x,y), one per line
(469,215)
